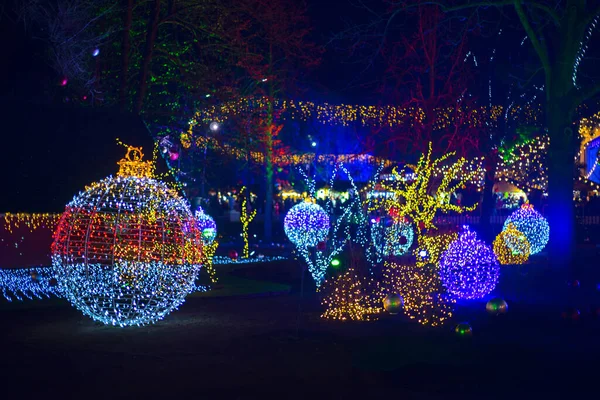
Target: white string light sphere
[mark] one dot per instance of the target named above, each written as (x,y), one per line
(469,268)
(127,249)
(306,224)
(532,224)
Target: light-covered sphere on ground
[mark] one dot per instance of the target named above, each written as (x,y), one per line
(127,250)
(392,237)
(393,303)
(469,268)
(511,246)
(496,306)
(532,224)
(207,226)
(306,224)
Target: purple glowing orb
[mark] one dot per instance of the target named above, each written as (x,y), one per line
(469,268)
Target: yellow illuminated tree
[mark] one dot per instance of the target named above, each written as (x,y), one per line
(419,196)
(246,216)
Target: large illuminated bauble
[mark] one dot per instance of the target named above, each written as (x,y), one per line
(469,268)
(306,224)
(511,246)
(127,249)
(392,237)
(207,226)
(532,224)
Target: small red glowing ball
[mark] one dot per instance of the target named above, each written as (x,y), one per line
(34,276)
(575,283)
(572,314)
(174,156)
(233,254)
(321,246)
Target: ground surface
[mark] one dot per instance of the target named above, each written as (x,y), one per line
(247,347)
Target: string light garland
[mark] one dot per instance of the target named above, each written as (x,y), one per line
(347,114)
(511,246)
(127,249)
(28,283)
(349,296)
(208,228)
(224,260)
(246,216)
(31,221)
(41,283)
(532,224)
(469,268)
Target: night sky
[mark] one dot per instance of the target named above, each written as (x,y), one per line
(52,150)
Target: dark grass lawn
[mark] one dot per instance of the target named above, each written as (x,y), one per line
(257,347)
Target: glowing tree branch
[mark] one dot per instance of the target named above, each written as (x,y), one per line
(418,197)
(246,218)
(319,259)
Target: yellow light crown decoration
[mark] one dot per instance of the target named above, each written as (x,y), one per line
(132,164)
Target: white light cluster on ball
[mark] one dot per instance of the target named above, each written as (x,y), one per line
(306,224)
(533,225)
(392,237)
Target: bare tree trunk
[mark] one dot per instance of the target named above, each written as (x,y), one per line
(147,58)
(269,157)
(125,47)
(561,211)
(488,203)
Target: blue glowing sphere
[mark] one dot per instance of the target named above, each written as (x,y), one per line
(206,224)
(306,224)
(392,237)
(469,268)
(533,225)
